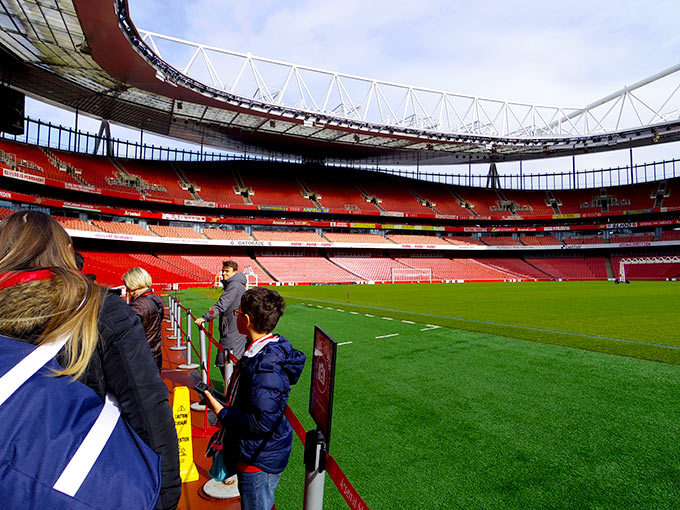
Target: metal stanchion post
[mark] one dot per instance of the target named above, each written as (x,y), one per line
(171,311)
(203,361)
(188,365)
(177,319)
(315,470)
(227,489)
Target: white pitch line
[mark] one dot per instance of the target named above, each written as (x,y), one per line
(354,313)
(408,322)
(388,336)
(430,327)
(344,343)
(369,315)
(387,318)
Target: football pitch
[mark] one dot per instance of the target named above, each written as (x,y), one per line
(524,395)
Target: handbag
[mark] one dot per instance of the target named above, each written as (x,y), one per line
(222,468)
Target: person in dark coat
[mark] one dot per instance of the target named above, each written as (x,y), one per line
(258,437)
(148,307)
(234,284)
(107,349)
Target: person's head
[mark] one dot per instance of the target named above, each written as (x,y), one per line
(229,268)
(80,260)
(40,310)
(137,279)
(260,310)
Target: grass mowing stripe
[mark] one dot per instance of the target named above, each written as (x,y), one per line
(494,323)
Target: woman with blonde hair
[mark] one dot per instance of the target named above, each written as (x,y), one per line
(44,298)
(148,307)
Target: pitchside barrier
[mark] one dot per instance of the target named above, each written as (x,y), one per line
(177,313)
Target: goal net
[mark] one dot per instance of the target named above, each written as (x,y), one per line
(402,275)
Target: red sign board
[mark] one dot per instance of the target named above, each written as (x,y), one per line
(323,382)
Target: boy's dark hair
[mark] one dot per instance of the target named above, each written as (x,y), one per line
(80,260)
(264,307)
(231,264)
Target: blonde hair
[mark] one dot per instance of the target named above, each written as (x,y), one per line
(137,278)
(39,312)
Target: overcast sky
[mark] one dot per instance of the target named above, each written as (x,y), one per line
(550,52)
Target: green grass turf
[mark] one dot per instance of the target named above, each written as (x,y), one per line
(449,418)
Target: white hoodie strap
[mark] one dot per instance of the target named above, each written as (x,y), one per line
(22,371)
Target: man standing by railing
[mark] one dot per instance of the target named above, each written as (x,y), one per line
(234,284)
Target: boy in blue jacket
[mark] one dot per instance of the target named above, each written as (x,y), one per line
(258,437)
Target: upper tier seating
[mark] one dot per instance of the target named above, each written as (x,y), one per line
(274,185)
(571,268)
(32,160)
(593,239)
(546,240)
(480,199)
(5,212)
(304,269)
(94,169)
(119,227)
(443,200)
(226,235)
(339,192)
(288,236)
(499,241)
(415,239)
(161,179)
(215,181)
(377,269)
(392,193)
(177,232)
(336,237)
(528,203)
(75,224)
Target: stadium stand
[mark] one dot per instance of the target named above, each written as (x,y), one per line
(377,269)
(288,236)
(338,237)
(571,268)
(273,186)
(213,181)
(94,170)
(514,266)
(528,203)
(122,227)
(415,239)
(212,264)
(339,193)
(304,269)
(463,240)
(75,224)
(499,241)
(577,239)
(33,160)
(632,238)
(540,240)
(176,232)
(391,194)
(153,178)
(670,235)
(441,198)
(226,235)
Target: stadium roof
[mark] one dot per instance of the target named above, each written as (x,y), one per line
(87,55)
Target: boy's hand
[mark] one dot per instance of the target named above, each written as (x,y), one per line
(199,321)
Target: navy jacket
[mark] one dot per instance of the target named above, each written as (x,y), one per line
(257,432)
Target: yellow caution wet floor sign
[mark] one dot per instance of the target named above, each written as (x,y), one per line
(181,413)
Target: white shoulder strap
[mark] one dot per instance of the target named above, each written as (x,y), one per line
(22,371)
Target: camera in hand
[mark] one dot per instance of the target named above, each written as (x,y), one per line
(201,388)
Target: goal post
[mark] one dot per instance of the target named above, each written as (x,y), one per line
(251,278)
(410,275)
(643,260)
